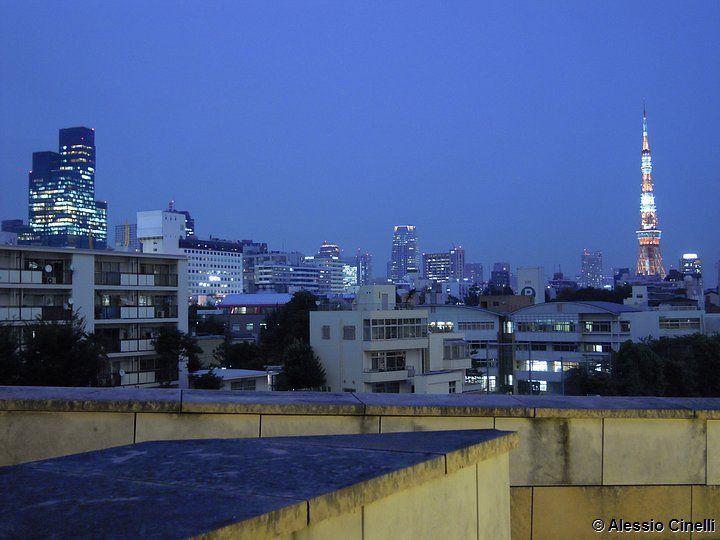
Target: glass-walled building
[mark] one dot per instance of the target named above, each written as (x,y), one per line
(61,196)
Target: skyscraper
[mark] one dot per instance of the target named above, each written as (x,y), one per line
(62,209)
(365,270)
(591,269)
(457,262)
(649,261)
(405,255)
(690,263)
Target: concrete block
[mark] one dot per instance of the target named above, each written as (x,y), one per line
(290,425)
(493,499)
(706,505)
(569,512)
(555,451)
(391,424)
(32,435)
(413,513)
(165,427)
(713,452)
(347,526)
(675,451)
(521,513)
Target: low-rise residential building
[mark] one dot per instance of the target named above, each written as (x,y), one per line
(124,298)
(242,380)
(378,347)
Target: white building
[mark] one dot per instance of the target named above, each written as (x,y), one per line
(215,267)
(377,347)
(124,298)
(242,380)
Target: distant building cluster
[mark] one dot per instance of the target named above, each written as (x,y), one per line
(434,323)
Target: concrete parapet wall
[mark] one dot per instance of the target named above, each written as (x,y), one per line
(577,457)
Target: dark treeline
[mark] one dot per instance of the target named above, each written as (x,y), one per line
(687,366)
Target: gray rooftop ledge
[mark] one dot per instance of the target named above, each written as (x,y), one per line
(55,398)
(36,398)
(315,403)
(248,488)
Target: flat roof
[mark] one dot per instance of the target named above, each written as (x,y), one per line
(227,374)
(108,252)
(259,299)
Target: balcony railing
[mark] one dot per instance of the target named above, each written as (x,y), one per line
(136,280)
(34,277)
(33,313)
(136,312)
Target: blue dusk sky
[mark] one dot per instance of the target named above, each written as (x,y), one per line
(511,128)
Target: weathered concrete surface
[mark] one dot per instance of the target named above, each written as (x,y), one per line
(650,452)
(309,403)
(180,426)
(443,405)
(51,398)
(562,451)
(521,512)
(568,512)
(279,425)
(32,435)
(247,488)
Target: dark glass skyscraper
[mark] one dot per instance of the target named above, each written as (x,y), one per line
(61,202)
(405,255)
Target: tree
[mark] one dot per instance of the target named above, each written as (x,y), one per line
(590,294)
(57,353)
(243,355)
(637,371)
(473,297)
(170,344)
(301,368)
(583,381)
(286,324)
(10,359)
(207,381)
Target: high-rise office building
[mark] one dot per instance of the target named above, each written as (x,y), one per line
(591,269)
(690,263)
(364,266)
(457,262)
(500,276)
(473,273)
(126,238)
(436,266)
(649,260)
(62,209)
(405,255)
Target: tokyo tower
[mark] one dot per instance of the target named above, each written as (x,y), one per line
(649,261)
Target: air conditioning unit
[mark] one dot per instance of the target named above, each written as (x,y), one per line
(52,280)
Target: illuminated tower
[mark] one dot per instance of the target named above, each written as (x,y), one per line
(62,206)
(649,261)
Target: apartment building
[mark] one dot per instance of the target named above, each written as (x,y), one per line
(378,347)
(124,298)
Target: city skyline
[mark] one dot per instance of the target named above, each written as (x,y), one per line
(533,177)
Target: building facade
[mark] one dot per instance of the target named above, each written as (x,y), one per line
(591,269)
(405,255)
(126,238)
(436,266)
(124,298)
(376,347)
(62,209)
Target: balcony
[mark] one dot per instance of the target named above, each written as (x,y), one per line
(136,312)
(136,280)
(45,313)
(371,376)
(34,277)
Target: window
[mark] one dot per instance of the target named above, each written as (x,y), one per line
(326,331)
(380,329)
(679,324)
(348,390)
(597,347)
(451,387)
(597,326)
(476,325)
(386,388)
(249,327)
(246,385)
(349,333)
(624,326)
(388,361)
(566,347)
